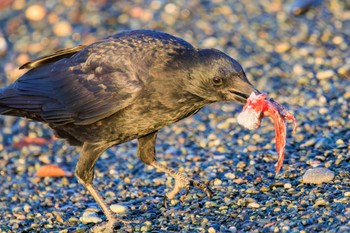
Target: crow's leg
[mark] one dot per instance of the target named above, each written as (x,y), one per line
(84,171)
(146,152)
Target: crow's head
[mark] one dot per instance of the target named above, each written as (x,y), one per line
(217,77)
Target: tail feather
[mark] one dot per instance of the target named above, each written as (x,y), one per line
(3,107)
(4,110)
(14,104)
(8,97)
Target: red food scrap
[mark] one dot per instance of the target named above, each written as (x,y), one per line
(259,106)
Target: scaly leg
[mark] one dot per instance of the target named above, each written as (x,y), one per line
(84,171)
(146,152)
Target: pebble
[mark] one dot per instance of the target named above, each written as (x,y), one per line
(217,182)
(35,12)
(233,229)
(73,220)
(253,205)
(320,202)
(265,189)
(252,191)
(339,142)
(209,42)
(344,229)
(300,7)
(230,175)
(27,208)
(309,142)
(90,217)
(323,111)
(283,47)
(238,180)
(146,228)
(62,29)
(298,69)
(241,164)
(119,209)
(318,175)
(3,46)
(48,226)
(321,75)
(344,71)
(210,204)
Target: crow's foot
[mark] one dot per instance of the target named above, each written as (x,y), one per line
(181,181)
(112,225)
(187,183)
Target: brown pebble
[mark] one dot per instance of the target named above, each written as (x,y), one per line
(3,46)
(22,58)
(344,71)
(325,74)
(282,48)
(253,205)
(127,180)
(264,189)
(62,29)
(35,12)
(320,202)
(18,4)
(238,181)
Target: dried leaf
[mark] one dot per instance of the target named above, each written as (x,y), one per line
(51,170)
(30,141)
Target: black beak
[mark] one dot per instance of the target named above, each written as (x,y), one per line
(242,89)
(242,95)
(239,95)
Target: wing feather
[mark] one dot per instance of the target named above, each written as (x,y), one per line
(86,84)
(70,90)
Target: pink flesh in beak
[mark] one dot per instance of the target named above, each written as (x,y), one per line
(261,106)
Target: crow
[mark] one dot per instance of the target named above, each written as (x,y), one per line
(126,86)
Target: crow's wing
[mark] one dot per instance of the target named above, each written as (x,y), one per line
(81,88)
(56,56)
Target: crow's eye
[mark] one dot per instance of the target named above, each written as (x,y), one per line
(217,81)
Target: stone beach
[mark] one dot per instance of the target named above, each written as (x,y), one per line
(301,60)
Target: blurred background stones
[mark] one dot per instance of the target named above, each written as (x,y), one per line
(296,51)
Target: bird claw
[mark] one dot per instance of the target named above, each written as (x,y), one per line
(186,193)
(114,225)
(205,188)
(165,204)
(189,183)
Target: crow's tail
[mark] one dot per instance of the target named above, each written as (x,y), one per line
(4,109)
(14,104)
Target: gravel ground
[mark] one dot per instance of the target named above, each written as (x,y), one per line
(301,61)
